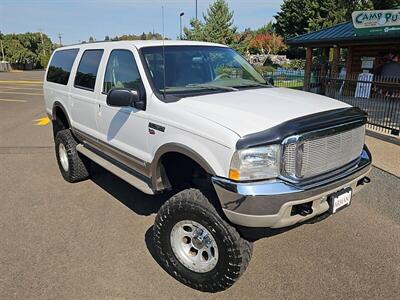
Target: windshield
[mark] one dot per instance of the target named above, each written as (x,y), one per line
(191,69)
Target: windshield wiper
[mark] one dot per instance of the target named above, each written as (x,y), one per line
(212,86)
(254,84)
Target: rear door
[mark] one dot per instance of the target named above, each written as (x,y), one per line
(83,96)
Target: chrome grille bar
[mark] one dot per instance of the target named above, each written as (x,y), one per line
(310,155)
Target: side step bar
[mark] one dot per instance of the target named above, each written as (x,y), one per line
(124,175)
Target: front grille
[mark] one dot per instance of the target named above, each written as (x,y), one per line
(307,157)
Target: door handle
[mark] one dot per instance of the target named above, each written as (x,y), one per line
(99,109)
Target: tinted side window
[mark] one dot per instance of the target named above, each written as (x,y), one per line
(87,70)
(121,71)
(60,66)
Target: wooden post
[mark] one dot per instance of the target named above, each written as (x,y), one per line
(335,61)
(307,72)
(349,61)
(324,61)
(324,69)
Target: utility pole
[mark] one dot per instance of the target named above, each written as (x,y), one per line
(180,23)
(41,37)
(196,10)
(2,49)
(59,37)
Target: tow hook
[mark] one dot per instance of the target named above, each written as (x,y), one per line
(303,210)
(364,180)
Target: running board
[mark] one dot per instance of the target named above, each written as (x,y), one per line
(124,175)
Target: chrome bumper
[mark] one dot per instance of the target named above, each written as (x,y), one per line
(269,203)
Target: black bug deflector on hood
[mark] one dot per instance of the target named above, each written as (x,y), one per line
(308,123)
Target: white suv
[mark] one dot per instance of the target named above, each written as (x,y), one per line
(196,119)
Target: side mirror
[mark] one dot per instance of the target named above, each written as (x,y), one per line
(269,80)
(120,97)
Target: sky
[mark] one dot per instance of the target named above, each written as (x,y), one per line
(77,20)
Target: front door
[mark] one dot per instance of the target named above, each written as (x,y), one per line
(124,129)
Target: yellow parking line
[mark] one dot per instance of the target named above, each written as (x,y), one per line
(12,100)
(22,81)
(32,94)
(19,88)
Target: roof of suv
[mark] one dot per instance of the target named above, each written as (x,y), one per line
(141,43)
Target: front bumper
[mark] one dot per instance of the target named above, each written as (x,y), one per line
(270,203)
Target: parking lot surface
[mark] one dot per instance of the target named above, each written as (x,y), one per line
(92,240)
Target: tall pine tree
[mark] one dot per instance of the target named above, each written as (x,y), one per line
(301,16)
(217,26)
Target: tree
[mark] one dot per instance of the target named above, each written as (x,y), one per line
(268,43)
(28,47)
(301,16)
(292,19)
(196,32)
(385,4)
(134,37)
(242,41)
(91,39)
(106,38)
(217,26)
(267,28)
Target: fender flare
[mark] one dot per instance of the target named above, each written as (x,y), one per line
(157,177)
(57,105)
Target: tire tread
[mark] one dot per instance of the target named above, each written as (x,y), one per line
(240,255)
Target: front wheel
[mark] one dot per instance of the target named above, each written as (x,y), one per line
(197,246)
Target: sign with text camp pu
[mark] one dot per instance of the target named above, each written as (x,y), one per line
(377,22)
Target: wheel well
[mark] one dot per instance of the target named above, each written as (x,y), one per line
(180,171)
(60,120)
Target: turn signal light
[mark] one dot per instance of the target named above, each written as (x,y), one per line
(234,174)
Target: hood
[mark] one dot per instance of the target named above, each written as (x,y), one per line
(250,111)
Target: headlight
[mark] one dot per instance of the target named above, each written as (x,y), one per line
(255,163)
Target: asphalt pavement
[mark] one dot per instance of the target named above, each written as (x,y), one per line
(92,240)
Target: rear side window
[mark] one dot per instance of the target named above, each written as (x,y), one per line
(87,70)
(60,66)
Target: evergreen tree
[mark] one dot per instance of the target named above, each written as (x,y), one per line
(301,16)
(266,29)
(196,32)
(217,26)
(386,4)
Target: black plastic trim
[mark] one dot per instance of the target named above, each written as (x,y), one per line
(56,105)
(317,121)
(156,127)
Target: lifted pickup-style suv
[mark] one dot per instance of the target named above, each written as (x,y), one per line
(197,121)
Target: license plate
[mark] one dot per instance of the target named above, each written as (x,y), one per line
(340,200)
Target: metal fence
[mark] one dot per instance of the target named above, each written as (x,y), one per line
(376,95)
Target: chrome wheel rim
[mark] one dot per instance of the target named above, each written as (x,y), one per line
(62,153)
(194,246)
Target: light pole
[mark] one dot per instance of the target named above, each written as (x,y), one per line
(196,10)
(41,37)
(2,49)
(59,37)
(180,23)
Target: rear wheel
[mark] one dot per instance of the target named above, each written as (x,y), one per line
(73,166)
(197,246)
